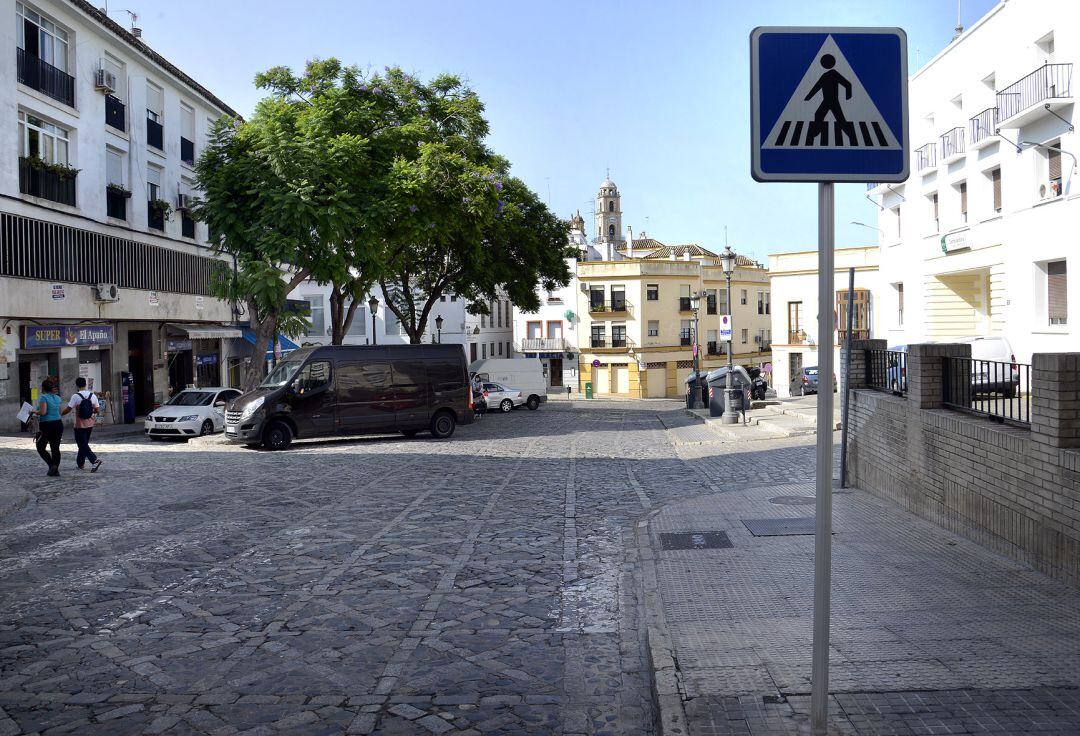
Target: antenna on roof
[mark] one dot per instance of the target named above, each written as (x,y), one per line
(135,30)
(959,26)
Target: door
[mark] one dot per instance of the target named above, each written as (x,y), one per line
(311,399)
(365,400)
(555,372)
(603,384)
(619,379)
(140,365)
(410,393)
(657,383)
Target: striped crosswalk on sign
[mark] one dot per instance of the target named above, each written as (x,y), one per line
(830,108)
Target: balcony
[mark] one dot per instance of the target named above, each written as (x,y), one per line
(952,146)
(45,78)
(1046,89)
(155,134)
(155,216)
(187,151)
(38,180)
(598,342)
(543,345)
(982,129)
(618,342)
(926,158)
(187,226)
(115,116)
(684,338)
(713,348)
(841,335)
(116,202)
(796,337)
(615,306)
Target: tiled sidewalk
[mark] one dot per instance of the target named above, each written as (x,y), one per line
(930,632)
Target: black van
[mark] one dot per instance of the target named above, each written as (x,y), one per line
(355,389)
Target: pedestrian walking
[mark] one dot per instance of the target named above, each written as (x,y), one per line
(50,428)
(86,407)
(479,402)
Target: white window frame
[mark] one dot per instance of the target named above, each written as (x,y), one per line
(52,138)
(117,155)
(153,188)
(654,331)
(157,115)
(58,35)
(320,308)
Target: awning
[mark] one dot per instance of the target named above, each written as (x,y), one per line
(208,332)
(285,344)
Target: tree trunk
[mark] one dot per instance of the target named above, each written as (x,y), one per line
(265,330)
(337,329)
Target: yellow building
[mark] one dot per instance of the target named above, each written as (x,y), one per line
(636,332)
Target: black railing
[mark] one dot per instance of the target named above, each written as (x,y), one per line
(712,348)
(187,151)
(115,113)
(983,125)
(952,143)
(1048,82)
(38,181)
(925,157)
(598,342)
(684,337)
(615,305)
(187,226)
(155,134)
(116,203)
(994,389)
(45,78)
(886,370)
(684,304)
(155,216)
(710,305)
(618,342)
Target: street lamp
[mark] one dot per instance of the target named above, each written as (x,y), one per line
(438,326)
(727,262)
(373,304)
(695,390)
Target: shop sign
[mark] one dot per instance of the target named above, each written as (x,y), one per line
(59,336)
(210,359)
(177,346)
(954,241)
(199,303)
(57,291)
(153,299)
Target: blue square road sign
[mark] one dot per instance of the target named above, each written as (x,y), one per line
(829,104)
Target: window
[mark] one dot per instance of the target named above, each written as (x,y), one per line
(596,298)
(860,324)
(533,329)
(115,198)
(363,382)
(509,349)
(358,326)
(618,298)
(1057,301)
(995,181)
(114,167)
(500,348)
(492,350)
(317,318)
(933,199)
(42,38)
(509,319)
(611,232)
(745,336)
(42,143)
(899,303)
(611,206)
(153,182)
(652,292)
(618,336)
(313,377)
(393,324)
(768,302)
(711,343)
(187,135)
(724,302)
(761,302)
(684,298)
(483,320)
(962,189)
(896,214)
(442,297)
(742,297)
(115,110)
(654,328)
(710,301)
(597,336)
(483,350)
(43,140)
(1053,159)
(155,110)
(453,297)
(554,330)
(155,214)
(796,336)
(685,331)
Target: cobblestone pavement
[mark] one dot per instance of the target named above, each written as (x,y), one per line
(931,634)
(478,585)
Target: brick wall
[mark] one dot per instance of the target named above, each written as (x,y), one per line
(1013,489)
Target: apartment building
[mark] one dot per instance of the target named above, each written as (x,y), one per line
(481,335)
(102,270)
(977,241)
(793,279)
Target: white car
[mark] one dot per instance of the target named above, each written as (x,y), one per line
(191,413)
(502,397)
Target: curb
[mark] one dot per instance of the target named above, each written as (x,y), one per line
(667,696)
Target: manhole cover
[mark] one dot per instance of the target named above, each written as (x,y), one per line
(780,527)
(184,506)
(792,500)
(694,540)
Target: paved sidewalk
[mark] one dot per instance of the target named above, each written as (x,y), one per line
(930,632)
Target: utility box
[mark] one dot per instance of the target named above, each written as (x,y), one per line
(588,389)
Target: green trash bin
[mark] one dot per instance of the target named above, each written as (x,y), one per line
(588,389)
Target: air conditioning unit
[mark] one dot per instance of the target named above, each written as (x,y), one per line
(183,201)
(584,288)
(105,81)
(106,293)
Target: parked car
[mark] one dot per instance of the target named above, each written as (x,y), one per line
(503,397)
(993,366)
(525,373)
(895,372)
(193,412)
(806,382)
(354,390)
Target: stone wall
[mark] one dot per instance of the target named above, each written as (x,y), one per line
(1014,489)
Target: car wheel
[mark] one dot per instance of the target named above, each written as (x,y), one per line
(277,436)
(533,403)
(506,405)
(206,428)
(409,433)
(442,425)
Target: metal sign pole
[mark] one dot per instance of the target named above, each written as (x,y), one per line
(819,687)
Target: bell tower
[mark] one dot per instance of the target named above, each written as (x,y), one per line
(608,213)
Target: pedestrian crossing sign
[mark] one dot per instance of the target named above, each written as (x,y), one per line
(829,104)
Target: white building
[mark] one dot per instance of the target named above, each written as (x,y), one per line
(980,239)
(793,280)
(482,336)
(551,333)
(98,132)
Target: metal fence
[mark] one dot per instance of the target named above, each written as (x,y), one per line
(1048,82)
(886,370)
(997,390)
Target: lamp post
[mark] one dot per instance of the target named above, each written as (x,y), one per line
(373,304)
(727,262)
(695,390)
(438,327)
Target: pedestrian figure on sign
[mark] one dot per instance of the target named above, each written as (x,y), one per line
(829,85)
(86,407)
(50,428)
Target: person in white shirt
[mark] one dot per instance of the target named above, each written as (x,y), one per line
(86,406)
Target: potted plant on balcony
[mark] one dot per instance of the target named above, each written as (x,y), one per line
(118,190)
(62,171)
(161,206)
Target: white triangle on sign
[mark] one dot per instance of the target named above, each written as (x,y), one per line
(814,124)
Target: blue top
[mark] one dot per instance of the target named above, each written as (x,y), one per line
(52,404)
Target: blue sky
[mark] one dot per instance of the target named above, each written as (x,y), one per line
(658,92)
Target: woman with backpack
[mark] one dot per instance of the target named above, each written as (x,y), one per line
(86,406)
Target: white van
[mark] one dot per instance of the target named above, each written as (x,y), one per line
(524,374)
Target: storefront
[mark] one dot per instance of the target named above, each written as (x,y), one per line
(65,352)
(194,354)
(560,369)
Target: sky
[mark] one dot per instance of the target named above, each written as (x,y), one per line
(657,92)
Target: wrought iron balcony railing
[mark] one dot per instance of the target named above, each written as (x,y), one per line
(952,144)
(983,126)
(45,78)
(38,181)
(1048,82)
(926,157)
(114,113)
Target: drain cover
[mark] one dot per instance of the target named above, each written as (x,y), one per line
(694,540)
(792,500)
(780,527)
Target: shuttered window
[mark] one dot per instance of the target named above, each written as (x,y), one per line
(995,178)
(1056,293)
(963,201)
(1053,159)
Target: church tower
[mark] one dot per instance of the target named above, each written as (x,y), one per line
(608,213)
